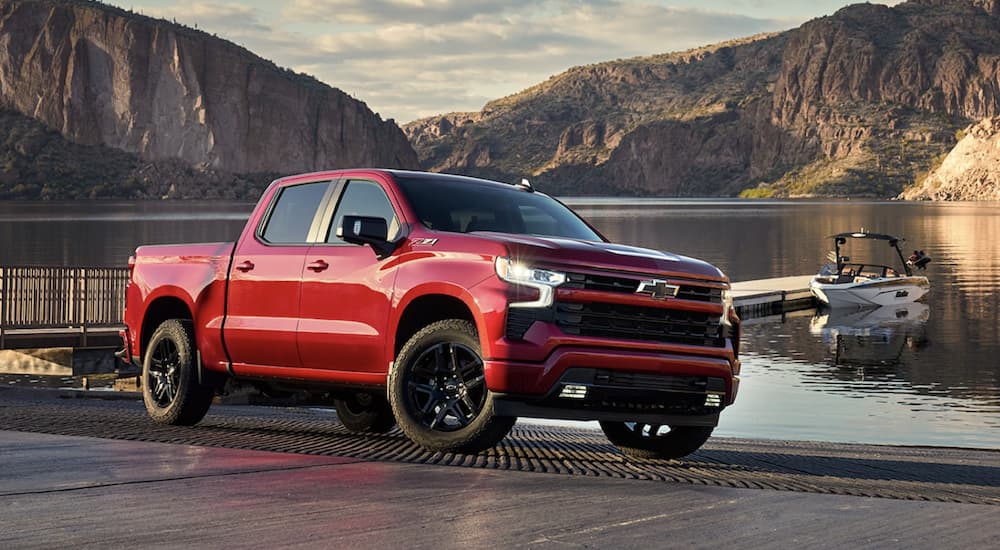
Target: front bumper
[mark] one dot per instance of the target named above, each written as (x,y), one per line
(601,394)
(538,379)
(589,384)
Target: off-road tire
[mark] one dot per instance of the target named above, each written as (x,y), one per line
(170,387)
(445,390)
(640,440)
(364,412)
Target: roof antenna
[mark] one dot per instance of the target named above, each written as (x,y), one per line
(526,185)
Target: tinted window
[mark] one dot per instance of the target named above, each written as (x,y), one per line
(464,206)
(363,198)
(292,216)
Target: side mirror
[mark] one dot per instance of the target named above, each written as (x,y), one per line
(367,230)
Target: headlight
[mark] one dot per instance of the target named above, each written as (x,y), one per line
(543,280)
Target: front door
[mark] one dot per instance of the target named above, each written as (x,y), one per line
(347,293)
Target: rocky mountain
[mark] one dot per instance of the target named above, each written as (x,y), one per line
(176,97)
(971,171)
(36,162)
(859,103)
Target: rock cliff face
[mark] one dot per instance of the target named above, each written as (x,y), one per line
(931,55)
(103,76)
(854,104)
(970,172)
(36,162)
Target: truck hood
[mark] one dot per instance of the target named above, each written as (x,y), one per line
(562,253)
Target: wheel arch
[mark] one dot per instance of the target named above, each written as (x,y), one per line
(159,310)
(425,309)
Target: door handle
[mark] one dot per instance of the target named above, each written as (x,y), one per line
(245,266)
(317,266)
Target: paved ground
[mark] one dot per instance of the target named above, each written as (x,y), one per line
(545,487)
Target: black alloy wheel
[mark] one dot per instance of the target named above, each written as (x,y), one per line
(163,376)
(170,387)
(438,392)
(447,386)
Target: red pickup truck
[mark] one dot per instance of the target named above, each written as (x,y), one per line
(445,304)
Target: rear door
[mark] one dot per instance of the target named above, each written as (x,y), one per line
(265,281)
(347,292)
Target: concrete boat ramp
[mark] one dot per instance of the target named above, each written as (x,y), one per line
(98,473)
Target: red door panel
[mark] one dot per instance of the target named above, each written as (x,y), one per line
(344,309)
(264,305)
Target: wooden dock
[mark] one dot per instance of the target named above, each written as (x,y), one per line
(765,297)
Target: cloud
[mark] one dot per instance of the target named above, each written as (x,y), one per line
(379,12)
(231,16)
(415,58)
(419,69)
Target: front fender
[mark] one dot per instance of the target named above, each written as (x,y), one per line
(464,276)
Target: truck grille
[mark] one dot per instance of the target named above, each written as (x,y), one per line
(627,322)
(625,285)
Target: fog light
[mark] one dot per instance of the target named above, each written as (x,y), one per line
(573,391)
(713,400)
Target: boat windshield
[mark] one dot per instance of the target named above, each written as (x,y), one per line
(872,259)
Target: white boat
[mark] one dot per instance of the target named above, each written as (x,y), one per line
(846,284)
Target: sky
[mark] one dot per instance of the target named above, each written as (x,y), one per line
(409,59)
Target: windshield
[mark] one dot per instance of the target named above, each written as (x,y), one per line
(464,206)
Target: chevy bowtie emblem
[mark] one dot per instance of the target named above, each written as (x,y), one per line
(657,289)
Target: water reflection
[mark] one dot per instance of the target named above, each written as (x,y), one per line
(878,375)
(871,336)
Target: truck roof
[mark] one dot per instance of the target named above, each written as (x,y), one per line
(410,174)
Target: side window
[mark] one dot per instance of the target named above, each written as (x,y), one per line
(293,213)
(363,198)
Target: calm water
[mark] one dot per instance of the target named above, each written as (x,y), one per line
(928,374)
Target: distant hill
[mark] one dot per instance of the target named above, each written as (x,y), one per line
(169,100)
(860,103)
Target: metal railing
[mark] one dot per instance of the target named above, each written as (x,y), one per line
(71,298)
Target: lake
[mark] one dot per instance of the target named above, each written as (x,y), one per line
(924,375)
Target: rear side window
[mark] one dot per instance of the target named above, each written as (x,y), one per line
(293,213)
